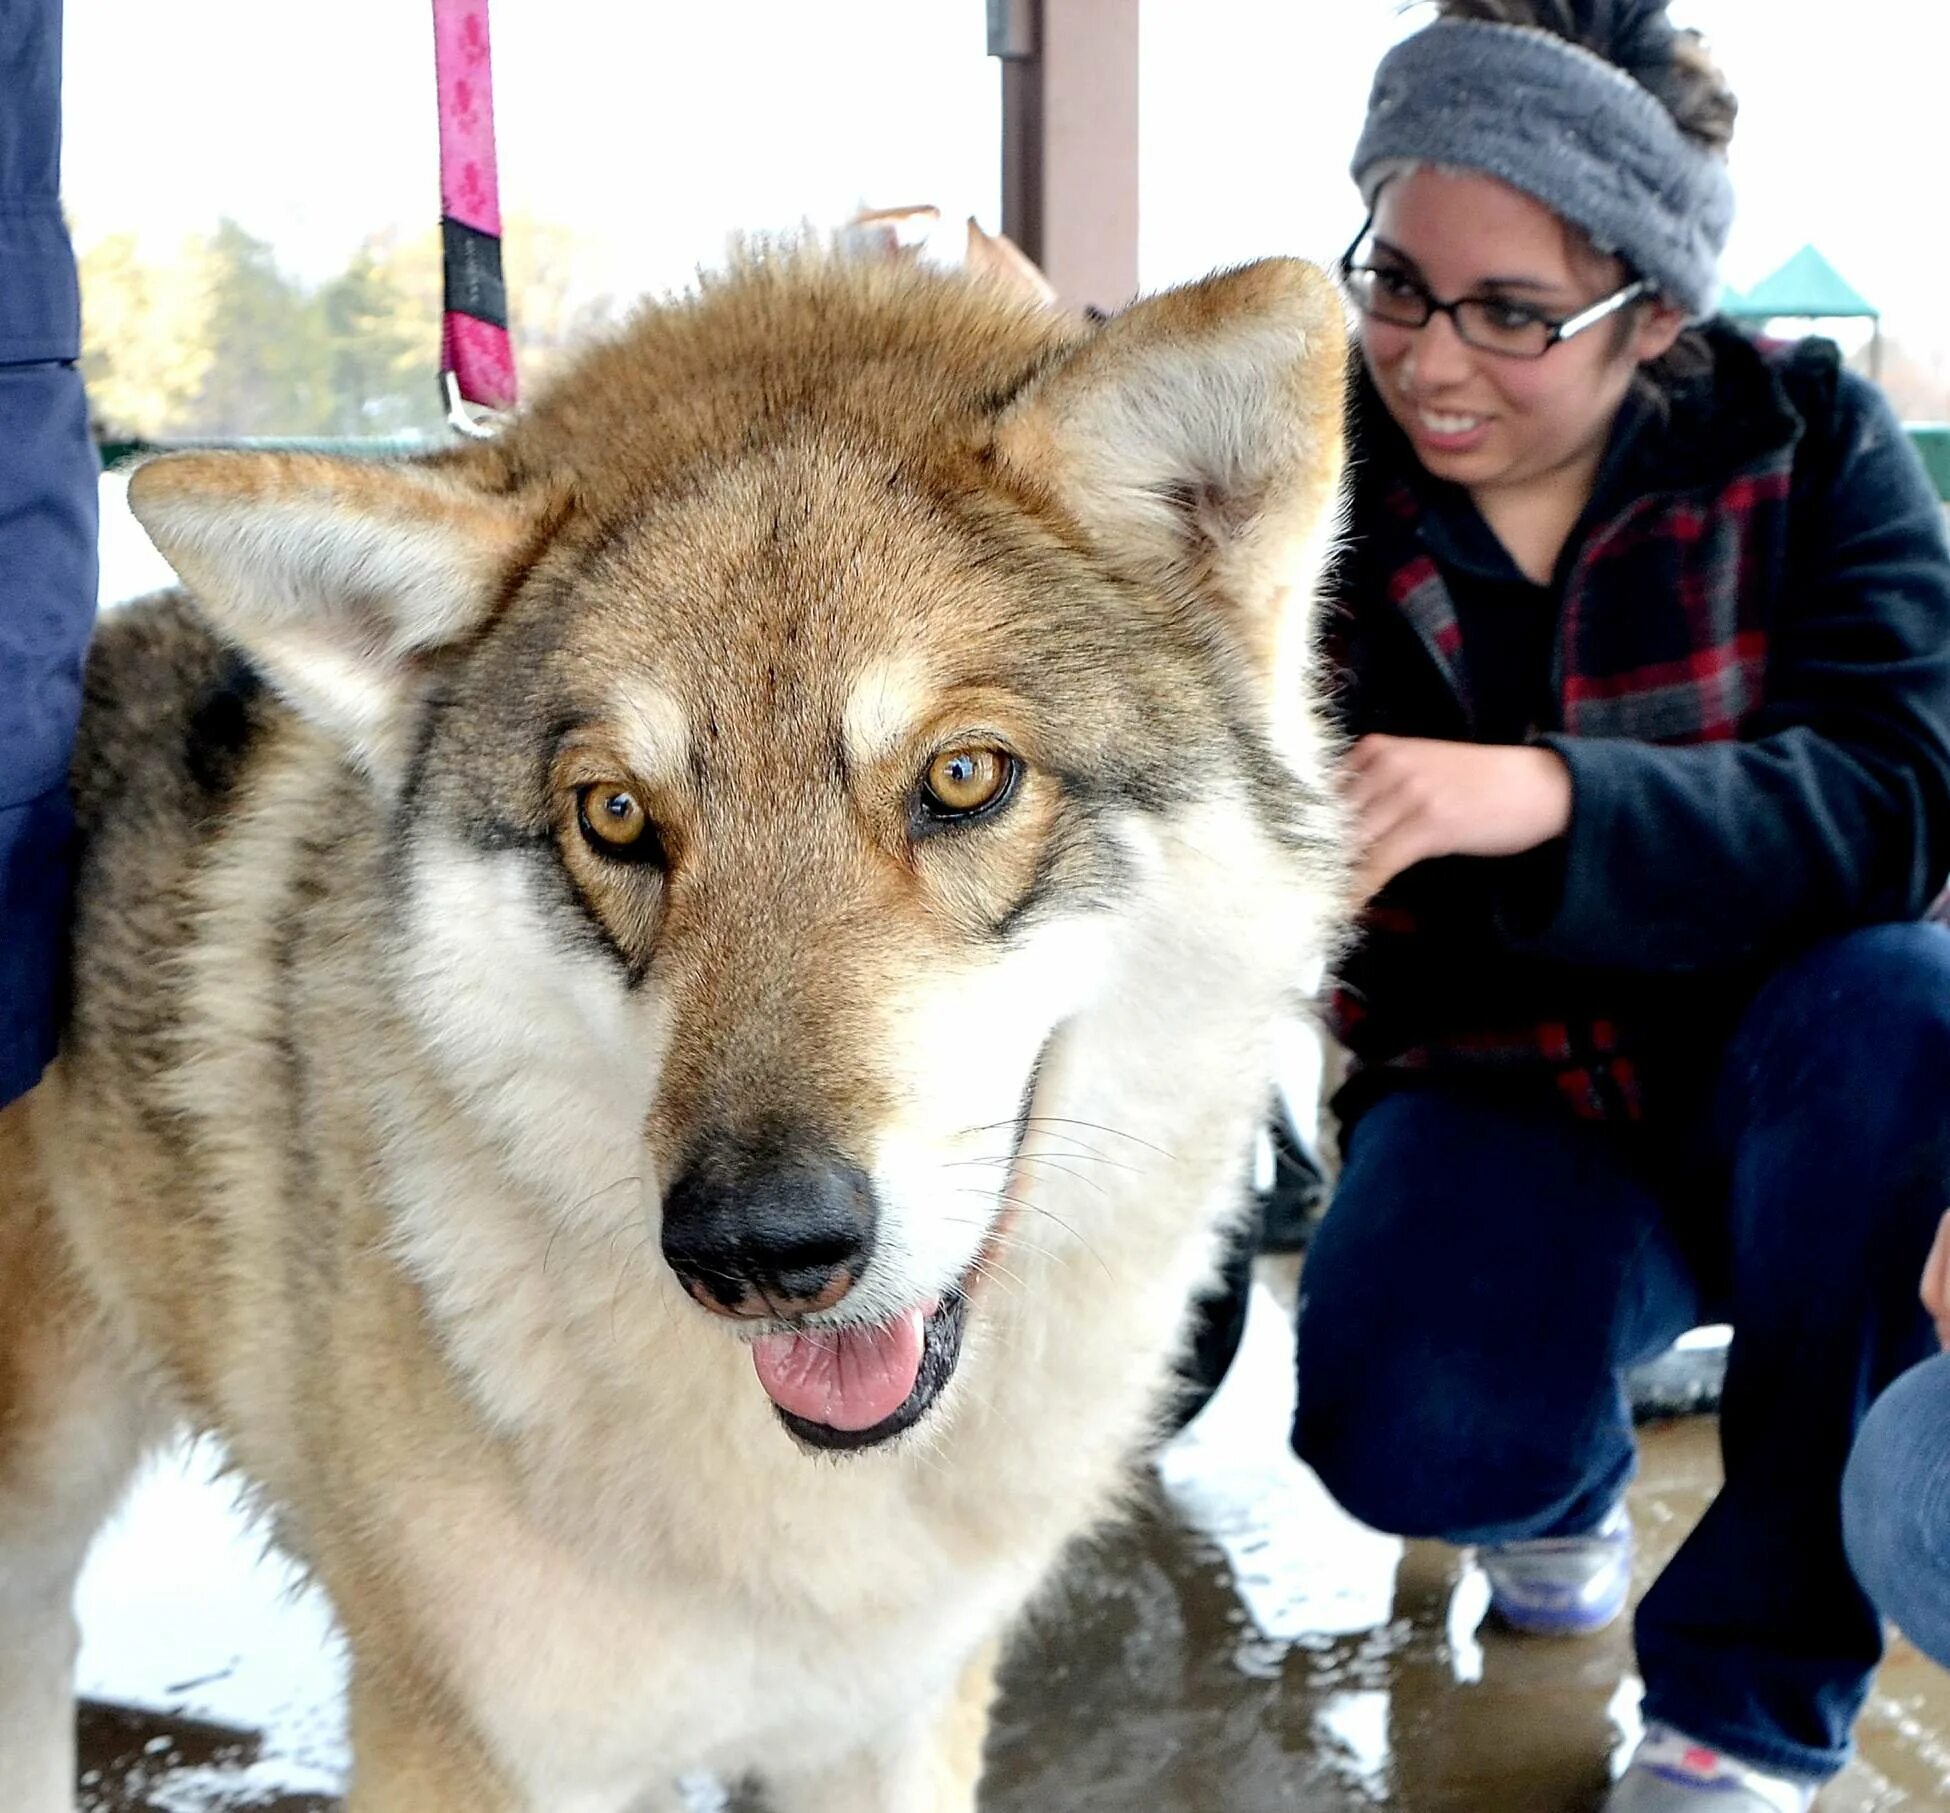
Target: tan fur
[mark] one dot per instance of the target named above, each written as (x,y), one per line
(69,1425)
(380,1068)
(998,256)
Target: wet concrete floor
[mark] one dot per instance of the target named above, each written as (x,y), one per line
(1152,1690)
(1243,1648)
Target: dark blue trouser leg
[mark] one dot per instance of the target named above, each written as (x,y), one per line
(1832,1130)
(1484,1274)
(1896,1506)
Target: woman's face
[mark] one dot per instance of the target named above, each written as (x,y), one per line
(1482,419)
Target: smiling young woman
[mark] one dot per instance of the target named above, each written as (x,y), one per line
(1491,391)
(1644,638)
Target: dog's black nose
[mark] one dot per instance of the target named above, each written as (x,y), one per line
(768,1233)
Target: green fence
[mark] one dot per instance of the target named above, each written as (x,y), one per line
(1933,443)
(119,453)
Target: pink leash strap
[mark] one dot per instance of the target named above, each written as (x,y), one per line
(477,366)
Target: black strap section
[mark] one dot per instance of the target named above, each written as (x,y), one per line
(472,261)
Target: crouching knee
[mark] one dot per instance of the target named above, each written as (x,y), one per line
(1389,1454)
(1356,1460)
(1896,1506)
(1415,1444)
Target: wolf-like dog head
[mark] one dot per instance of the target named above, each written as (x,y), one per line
(850,708)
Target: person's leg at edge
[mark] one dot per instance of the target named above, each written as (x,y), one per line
(1832,1127)
(1896,1506)
(1483,1275)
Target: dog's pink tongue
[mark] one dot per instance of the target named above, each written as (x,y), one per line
(846,1378)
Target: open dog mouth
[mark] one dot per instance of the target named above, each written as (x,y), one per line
(849,1388)
(843,1389)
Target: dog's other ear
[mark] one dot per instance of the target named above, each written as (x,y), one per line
(337,577)
(1196,438)
(997,257)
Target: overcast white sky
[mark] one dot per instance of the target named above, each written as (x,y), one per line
(663,126)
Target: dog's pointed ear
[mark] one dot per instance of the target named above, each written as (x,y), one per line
(337,577)
(1197,440)
(996,256)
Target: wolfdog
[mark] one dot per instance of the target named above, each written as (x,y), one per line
(669,1009)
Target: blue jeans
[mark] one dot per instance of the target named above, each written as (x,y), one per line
(1487,1271)
(1896,1506)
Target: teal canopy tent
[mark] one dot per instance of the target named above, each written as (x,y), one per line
(1806,288)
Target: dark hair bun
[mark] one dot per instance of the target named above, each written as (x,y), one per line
(1634,34)
(1640,39)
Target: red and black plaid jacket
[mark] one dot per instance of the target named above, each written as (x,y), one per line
(1751,687)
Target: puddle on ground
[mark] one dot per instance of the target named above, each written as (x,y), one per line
(1239,1647)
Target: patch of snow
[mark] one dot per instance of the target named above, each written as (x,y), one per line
(185,1609)
(1302,1567)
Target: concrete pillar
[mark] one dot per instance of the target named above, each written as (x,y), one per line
(1070,141)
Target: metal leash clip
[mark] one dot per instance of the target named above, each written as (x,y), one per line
(463,417)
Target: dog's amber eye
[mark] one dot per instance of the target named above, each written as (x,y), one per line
(615,823)
(963,783)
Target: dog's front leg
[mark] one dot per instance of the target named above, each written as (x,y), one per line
(408,1756)
(936,1770)
(72,1421)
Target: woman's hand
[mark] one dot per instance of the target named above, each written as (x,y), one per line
(1414,798)
(1936,1282)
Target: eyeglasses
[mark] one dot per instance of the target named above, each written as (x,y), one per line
(1513,330)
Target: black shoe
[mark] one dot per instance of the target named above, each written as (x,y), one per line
(1218,1322)
(1289,1210)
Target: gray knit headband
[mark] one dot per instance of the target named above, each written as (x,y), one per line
(1566,127)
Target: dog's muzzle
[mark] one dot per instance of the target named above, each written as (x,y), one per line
(766,1232)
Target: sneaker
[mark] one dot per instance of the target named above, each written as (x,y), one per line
(1671,1773)
(1563,1586)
